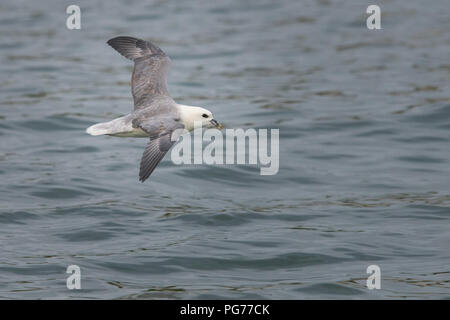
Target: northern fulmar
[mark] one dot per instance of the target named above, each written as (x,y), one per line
(156,115)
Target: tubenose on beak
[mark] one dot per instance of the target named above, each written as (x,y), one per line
(216,124)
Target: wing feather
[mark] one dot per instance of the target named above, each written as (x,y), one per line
(150,159)
(160,131)
(149,78)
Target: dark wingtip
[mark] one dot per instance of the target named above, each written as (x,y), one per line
(133,48)
(145,176)
(126,46)
(121,38)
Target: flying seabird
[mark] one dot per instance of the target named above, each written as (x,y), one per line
(156,115)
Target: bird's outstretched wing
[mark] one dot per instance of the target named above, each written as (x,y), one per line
(149,79)
(163,134)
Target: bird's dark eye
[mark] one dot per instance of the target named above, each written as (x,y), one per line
(204,115)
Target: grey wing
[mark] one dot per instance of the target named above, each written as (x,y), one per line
(149,79)
(163,134)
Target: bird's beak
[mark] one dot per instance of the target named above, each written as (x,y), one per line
(216,124)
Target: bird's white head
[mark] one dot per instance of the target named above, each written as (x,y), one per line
(194,117)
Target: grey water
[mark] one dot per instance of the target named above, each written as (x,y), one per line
(364,120)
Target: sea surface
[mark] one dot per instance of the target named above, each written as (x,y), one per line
(364,120)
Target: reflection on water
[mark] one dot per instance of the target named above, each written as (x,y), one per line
(364,158)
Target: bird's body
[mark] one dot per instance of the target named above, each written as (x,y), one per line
(123,126)
(156,115)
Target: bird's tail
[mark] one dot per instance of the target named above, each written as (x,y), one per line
(98,129)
